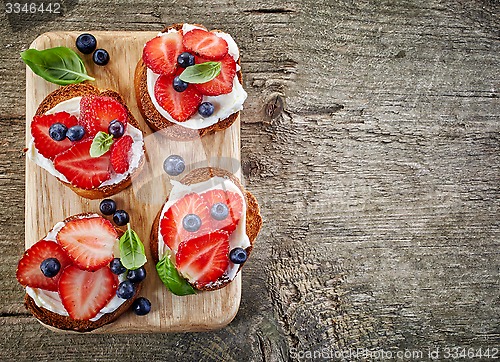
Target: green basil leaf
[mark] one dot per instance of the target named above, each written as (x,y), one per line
(58,65)
(200,73)
(101,144)
(132,254)
(171,278)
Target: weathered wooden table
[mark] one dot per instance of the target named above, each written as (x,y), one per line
(370,137)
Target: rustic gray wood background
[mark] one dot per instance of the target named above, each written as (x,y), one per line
(370,137)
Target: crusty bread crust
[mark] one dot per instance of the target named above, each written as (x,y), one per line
(80,90)
(66,323)
(157,122)
(253,216)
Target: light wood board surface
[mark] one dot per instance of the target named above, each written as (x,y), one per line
(49,201)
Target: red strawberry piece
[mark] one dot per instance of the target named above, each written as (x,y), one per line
(205,44)
(89,242)
(160,53)
(83,293)
(80,169)
(45,145)
(234,203)
(171,227)
(96,113)
(204,259)
(28,270)
(223,83)
(180,105)
(120,154)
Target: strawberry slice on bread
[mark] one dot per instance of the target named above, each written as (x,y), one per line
(28,269)
(180,105)
(223,83)
(160,53)
(45,145)
(97,112)
(204,259)
(83,293)
(225,208)
(205,44)
(174,226)
(120,154)
(89,242)
(80,168)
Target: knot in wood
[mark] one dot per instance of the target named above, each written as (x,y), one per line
(274,106)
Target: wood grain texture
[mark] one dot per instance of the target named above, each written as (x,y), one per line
(378,182)
(48,201)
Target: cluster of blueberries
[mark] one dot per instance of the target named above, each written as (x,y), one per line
(108,207)
(205,109)
(59,131)
(126,289)
(87,43)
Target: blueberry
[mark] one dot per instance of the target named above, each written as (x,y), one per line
(126,290)
(120,217)
(238,255)
(206,109)
(116,128)
(50,267)
(75,133)
(137,275)
(100,57)
(117,267)
(86,43)
(107,207)
(191,222)
(185,60)
(219,211)
(179,85)
(174,165)
(58,131)
(141,306)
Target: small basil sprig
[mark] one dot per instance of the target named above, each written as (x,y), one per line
(58,65)
(101,144)
(132,253)
(171,278)
(200,73)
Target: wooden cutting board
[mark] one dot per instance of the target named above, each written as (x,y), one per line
(49,201)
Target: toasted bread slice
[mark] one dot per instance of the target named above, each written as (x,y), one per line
(80,90)
(253,216)
(66,323)
(157,122)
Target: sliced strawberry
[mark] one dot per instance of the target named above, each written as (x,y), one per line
(80,169)
(96,113)
(45,145)
(89,242)
(223,83)
(160,53)
(204,259)
(84,294)
(171,227)
(28,270)
(234,203)
(120,154)
(180,105)
(205,44)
